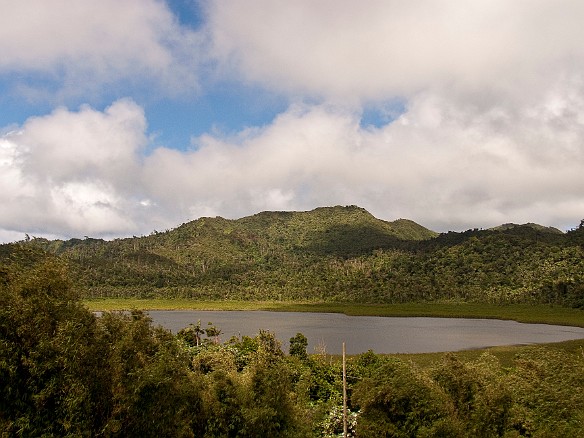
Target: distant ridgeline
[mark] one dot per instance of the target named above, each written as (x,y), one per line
(339,254)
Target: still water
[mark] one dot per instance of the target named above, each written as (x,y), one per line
(363,333)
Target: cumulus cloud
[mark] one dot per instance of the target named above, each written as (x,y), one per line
(84,172)
(72,172)
(350,50)
(492,127)
(82,45)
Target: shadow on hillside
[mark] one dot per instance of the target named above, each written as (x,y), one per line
(350,241)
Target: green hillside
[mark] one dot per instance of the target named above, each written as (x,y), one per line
(341,254)
(536,227)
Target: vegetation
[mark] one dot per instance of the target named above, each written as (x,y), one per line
(331,255)
(66,372)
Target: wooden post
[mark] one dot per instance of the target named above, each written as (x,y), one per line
(345,431)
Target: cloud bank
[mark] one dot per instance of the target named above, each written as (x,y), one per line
(351,51)
(82,46)
(492,128)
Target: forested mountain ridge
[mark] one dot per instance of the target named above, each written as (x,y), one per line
(537,227)
(331,254)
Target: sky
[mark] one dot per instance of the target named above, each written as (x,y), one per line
(122,117)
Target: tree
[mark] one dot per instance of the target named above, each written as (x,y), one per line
(153,391)
(548,391)
(481,399)
(53,362)
(399,401)
(213,332)
(64,372)
(192,334)
(298,345)
(269,409)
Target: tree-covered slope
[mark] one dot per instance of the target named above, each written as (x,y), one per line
(65,371)
(537,227)
(331,254)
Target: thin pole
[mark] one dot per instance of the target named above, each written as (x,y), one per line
(345,431)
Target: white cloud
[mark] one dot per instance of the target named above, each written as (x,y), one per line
(82,173)
(73,173)
(492,130)
(83,45)
(84,145)
(376,50)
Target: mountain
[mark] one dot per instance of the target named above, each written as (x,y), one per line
(327,254)
(536,227)
(345,231)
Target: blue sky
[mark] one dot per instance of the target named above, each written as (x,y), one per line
(120,117)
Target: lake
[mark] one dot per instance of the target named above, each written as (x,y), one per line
(363,333)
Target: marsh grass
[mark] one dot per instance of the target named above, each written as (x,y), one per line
(505,354)
(107,304)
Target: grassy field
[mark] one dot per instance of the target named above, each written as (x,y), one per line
(518,312)
(505,354)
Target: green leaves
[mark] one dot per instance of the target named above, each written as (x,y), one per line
(298,345)
(66,372)
(52,364)
(547,387)
(400,401)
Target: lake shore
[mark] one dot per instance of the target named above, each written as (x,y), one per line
(543,314)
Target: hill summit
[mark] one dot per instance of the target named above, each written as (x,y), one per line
(328,254)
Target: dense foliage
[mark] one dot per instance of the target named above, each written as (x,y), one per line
(67,372)
(340,254)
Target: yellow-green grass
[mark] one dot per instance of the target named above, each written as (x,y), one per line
(517,312)
(107,304)
(506,354)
